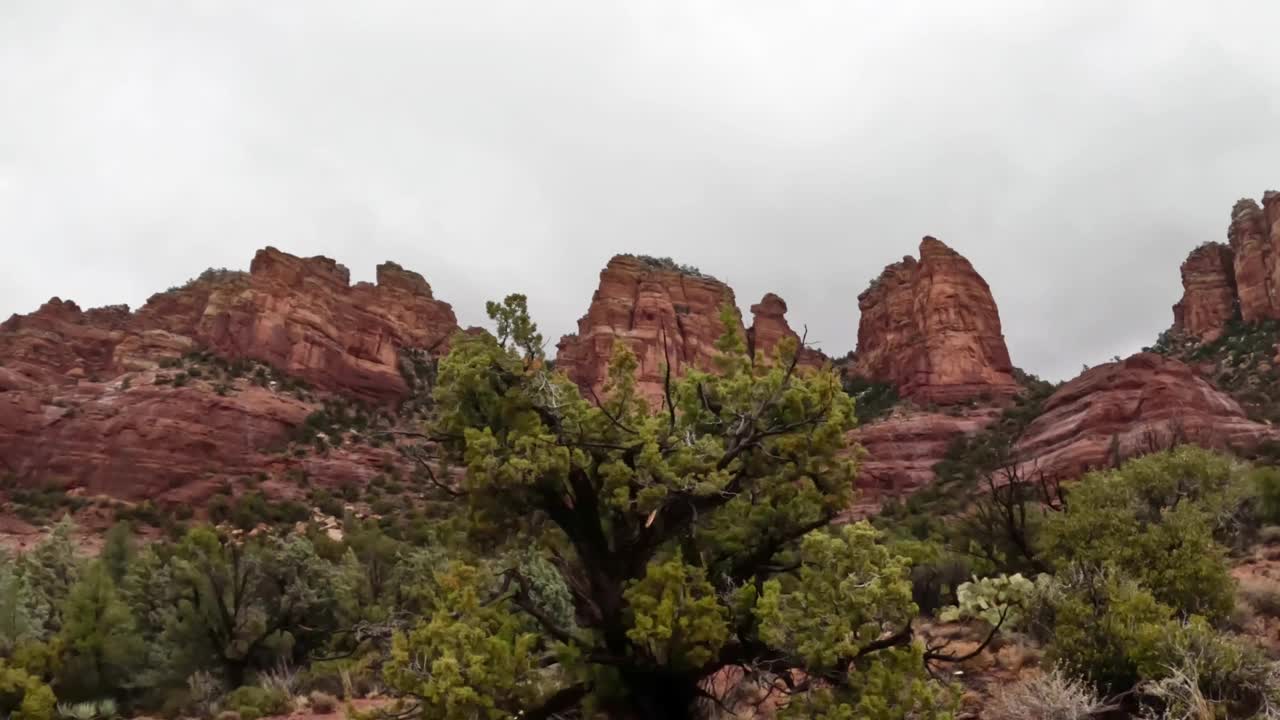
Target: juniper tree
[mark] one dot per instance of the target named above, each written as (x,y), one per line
(689,537)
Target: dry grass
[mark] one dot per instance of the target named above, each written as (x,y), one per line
(322,703)
(1049,696)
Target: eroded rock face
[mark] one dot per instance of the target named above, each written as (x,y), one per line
(665,316)
(1208,292)
(1137,405)
(931,327)
(769,327)
(1243,276)
(82,401)
(902,449)
(1254,235)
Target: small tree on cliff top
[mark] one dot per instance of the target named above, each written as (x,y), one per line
(688,539)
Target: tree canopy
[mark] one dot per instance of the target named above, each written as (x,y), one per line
(683,538)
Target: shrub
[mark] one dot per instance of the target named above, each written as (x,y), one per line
(23,696)
(1106,629)
(1001,600)
(1263,597)
(1206,674)
(322,703)
(1267,482)
(256,702)
(1051,696)
(1156,520)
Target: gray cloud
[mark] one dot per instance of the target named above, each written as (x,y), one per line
(1073,151)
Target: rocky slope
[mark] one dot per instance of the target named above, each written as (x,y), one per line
(113,402)
(666,315)
(903,448)
(931,327)
(1144,403)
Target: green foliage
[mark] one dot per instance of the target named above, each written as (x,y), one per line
(1203,668)
(1107,630)
(1241,360)
(1154,520)
(253,702)
(968,460)
(23,611)
(467,659)
(236,603)
(100,645)
(23,696)
(51,569)
(873,399)
(118,550)
(1266,481)
(675,615)
(252,509)
(894,688)
(848,591)
(514,325)
(999,600)
(687,533)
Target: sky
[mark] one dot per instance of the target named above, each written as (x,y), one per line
(1073,151)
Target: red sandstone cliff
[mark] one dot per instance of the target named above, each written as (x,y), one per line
(931,327)
(1243,276)
(665,315)
(1143,403)
(83,401)
(1209,292)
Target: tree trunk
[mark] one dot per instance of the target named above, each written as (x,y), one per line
(670,696)
(235,672)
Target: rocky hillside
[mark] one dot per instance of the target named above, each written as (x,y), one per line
(289,370)
(280,372)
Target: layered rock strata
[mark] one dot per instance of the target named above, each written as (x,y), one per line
(931,327)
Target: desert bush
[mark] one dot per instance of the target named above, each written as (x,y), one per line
(204,691)
(1156,520)
(282,678)
(1199,672)
(322,703)
(1049,696)
(1263,597)
(1267,482)
(256,702)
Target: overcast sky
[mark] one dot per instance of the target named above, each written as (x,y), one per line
(1074,151)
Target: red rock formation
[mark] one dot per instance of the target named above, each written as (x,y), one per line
(643,302)
(1208,292)
(1141,403)
(769,326)
(932,328)
(1217,281)
(1255,237)
(80,404)
(902,449)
